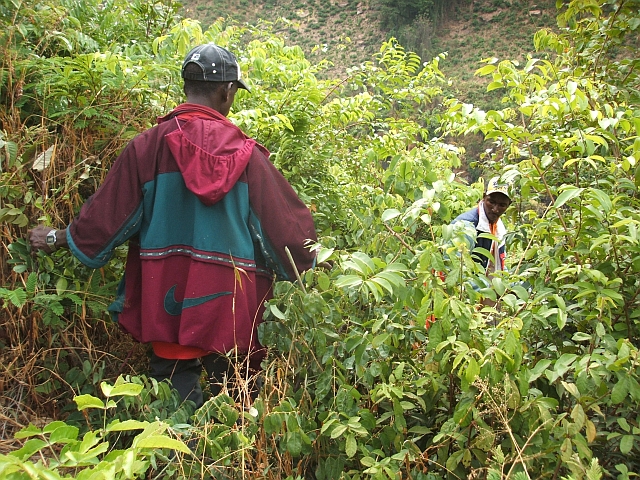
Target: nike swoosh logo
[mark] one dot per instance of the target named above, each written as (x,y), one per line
(174,307)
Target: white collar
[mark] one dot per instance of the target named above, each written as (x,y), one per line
(484,226)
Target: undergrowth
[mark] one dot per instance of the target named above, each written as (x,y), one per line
(359,382)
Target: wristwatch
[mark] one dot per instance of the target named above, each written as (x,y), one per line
(51,239)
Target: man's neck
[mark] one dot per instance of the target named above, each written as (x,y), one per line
(205,101)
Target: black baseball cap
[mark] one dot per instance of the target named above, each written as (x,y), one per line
(218,65)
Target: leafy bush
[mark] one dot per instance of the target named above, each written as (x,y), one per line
(66,454)
(544,384)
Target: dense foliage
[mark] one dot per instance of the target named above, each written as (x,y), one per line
(395,13)
(542,385)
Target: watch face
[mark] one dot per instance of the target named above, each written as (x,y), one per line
(51,238)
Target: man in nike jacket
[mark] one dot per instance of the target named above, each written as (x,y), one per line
(208,218)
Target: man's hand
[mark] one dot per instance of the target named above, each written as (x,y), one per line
(38,238)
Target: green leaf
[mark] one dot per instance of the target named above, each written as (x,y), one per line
(462,413)
(368,461)
(324,254)
(357,266)
(118,426)
(391,277)
(324,282)
(560,302)
(31,283)
(12,150)
(29,448)
(324,383)
(285,121)
(607,292)
(520,292)
(380,339)
(64,434)
(602,199)
(568,194)
(106,389)
(89,440)
(53,426)
(454,459)
(620,391)
(351,446)
(578,415)
(327,424)
(624,424)
(562,366)
(486,70)
(61,285)
(160,441)
(581,337)
(364,262)
(395,267)
(390,214)
(87,456)
(538,369)
(383,283)
(472,370)
(347,281)
(626,444)
(634,389)
(338,431)
(126,389)
(276,312)
(88,401)
(18,297)
(29,431)
(293,443)
(498,285)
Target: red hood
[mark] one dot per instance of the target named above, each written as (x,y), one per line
(210,151)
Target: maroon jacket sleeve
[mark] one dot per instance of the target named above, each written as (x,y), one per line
(110,216)
(279,218)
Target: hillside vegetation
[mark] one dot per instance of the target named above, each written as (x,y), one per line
(402,358)
(349,32)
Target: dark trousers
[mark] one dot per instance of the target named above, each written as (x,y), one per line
(233,374)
